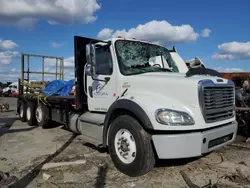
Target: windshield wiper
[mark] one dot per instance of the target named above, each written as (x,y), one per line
(161,70)
(168,69)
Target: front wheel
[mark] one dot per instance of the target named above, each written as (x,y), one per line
(130,147)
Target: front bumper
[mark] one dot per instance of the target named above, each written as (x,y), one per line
(174,146)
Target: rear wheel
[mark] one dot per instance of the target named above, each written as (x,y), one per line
(130,147)
(22,111)
(30,113)
(42,115)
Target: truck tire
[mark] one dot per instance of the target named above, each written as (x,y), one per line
(130,147)
(22,111)
(30,113)
(42,116)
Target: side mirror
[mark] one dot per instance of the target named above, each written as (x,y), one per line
(91,59)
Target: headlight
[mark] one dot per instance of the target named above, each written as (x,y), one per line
(172,117)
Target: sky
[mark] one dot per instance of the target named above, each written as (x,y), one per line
(218,32)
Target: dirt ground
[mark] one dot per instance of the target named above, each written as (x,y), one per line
(24,150)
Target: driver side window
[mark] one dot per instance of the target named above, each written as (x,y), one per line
(104,64)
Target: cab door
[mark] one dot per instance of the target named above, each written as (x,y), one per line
(101,88)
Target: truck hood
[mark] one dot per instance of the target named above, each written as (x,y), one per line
(169,90)
(169,84)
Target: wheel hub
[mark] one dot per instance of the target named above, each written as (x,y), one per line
(39,114)
(125,146)
(21,111)
(28,113)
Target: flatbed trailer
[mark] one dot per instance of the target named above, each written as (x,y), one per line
(132,102)
(28,98)
(57,104)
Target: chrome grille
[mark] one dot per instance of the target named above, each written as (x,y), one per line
(217,101)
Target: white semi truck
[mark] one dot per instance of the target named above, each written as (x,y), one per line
(12,88)
(141,103)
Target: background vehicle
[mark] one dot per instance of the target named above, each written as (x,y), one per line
(242,99)
(7,91)
(130,99)
(12,90)
(241,81)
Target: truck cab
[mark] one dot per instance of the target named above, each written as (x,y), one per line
(147,101)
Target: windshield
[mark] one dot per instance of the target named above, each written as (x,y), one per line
(138,57)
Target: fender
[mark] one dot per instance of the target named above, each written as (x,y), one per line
(125,104)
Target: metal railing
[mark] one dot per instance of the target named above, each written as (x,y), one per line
(59,72)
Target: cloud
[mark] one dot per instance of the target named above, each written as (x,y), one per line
(7,56)
(220,69)
(7,44)
(69,74)
(13,70)
(68,62)
(26,13)
(56,45)
(233,50)
(155,31)
(105,33)
(206,32)
(24,23)
(6,75)
(217,56)
(236,48)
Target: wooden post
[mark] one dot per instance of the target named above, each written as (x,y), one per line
(28,74)
(22,72)
(56,67)
(19,86)
(62,68)
(43,70)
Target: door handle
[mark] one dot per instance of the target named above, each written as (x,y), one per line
(90,91)
(107,79)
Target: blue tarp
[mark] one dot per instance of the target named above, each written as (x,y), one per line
(58,87)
